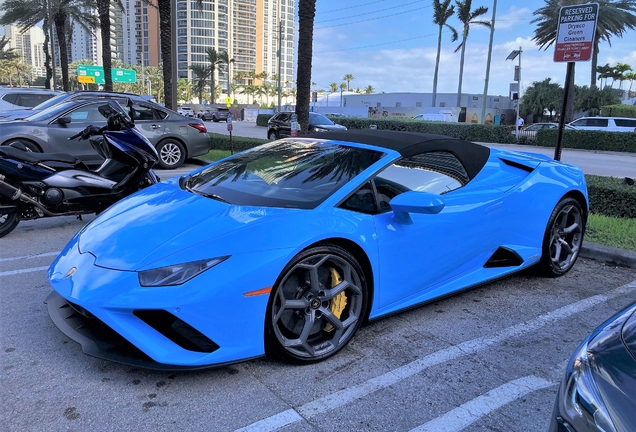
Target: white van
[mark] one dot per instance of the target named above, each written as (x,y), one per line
(608,124)
(13,98)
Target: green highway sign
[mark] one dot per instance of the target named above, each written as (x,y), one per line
(95,75)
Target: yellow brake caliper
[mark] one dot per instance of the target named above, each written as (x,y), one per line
(339,301)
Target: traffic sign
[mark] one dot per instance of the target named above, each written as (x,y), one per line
(95,75)
(575,32)
(228,101)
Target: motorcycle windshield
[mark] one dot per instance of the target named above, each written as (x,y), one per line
(132,141)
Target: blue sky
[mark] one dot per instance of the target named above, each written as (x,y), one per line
(391,44)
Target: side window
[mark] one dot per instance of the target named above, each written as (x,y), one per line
(142,112)
(90,113)
(362,200)
(579,123)
(32,99)
(160,114)
(433,172)
(625,123)
(283,117)
(10,97)
(599,122)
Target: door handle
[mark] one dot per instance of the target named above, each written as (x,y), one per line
(155,126)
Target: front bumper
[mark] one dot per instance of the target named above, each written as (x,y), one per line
(203,323)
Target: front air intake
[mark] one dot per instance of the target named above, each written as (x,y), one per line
(504,257)
(178,331)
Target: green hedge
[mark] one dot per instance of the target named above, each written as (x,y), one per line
(619,110)
(467,131)
(261,119)
(611,196)
(589,140)
(222,142)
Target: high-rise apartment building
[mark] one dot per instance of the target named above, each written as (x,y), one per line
(141,44)
(30,45)
(249,30)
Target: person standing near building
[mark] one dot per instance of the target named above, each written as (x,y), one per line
(519,121)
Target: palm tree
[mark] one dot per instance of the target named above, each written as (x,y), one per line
(441,13)
(306,15)
(631,77)
(467,17)
(343,87)
(614,19)
(604,72)
(369,89)
(621,70)
(348,78)
(216,59)
(6,53)
(201,75)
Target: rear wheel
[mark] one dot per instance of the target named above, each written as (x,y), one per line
(8,222)
(171,154)
(563,238)
(317,305)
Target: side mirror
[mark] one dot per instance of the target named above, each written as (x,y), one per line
(415,202)
(64,120)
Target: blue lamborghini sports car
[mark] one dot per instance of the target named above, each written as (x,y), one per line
(287,248)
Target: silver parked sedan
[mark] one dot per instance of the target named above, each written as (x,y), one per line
(174,136)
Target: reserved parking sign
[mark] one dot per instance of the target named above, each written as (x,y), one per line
(575,32)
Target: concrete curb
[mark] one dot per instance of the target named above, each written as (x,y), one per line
(610,255)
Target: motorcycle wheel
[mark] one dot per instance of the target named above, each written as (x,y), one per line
(8,222)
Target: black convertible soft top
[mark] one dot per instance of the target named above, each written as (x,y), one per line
(473,156)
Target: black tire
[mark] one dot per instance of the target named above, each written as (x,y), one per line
(171,154)
(272,135)
(215,120)
(316,306)
(563,238)
(8,222)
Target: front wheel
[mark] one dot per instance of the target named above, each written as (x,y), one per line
(317,305)
(171,154)
(563,238)
(8,222)
(273,135)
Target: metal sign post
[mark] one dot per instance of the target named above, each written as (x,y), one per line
(229,128)
(294,125)
(574,43)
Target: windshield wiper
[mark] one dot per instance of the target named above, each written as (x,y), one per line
(210,195)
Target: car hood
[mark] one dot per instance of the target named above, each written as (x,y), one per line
(161,225)
(628,333)
(17,114)
(330,127)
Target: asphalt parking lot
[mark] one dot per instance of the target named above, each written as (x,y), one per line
(484,360)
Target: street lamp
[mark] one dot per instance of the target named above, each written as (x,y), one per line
(517,77)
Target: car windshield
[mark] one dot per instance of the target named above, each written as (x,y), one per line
(292,173)
(53,101)
(319,119)
(50,112)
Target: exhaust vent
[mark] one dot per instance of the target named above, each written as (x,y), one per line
(504,257)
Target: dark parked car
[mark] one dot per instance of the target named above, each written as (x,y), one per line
(598,391)
(174,136)
(279,125)
(219,114)
(64,97)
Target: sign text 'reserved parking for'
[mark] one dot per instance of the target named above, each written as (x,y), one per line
(575,32)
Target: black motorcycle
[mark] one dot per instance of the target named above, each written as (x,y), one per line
(35,185)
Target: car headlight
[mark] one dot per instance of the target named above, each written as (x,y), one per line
(319,129)
(176,274)
(581,403)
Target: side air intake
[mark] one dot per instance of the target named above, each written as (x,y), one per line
(504,257)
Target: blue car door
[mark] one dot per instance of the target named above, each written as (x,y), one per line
(434,248)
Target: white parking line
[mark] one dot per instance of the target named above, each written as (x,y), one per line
(26,270)
(471,411)
(274,422)
(342,397)
(29,256)
(29,270)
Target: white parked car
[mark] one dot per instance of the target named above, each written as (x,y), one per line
(608,124)
(13,98)
(186,111)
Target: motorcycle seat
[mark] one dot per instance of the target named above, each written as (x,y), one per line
(33,157)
